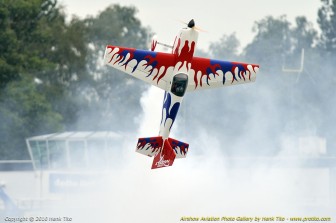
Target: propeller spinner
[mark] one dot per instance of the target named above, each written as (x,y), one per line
(191,24)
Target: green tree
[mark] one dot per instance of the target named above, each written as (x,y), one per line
(327,50)
(24,111)
(226,48)
(271,43)
(327,22)
(113,98)
(303,34)
(18,25)
(42,57)
(67,51)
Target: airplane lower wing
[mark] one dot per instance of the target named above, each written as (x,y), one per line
(207,73)
(152,67)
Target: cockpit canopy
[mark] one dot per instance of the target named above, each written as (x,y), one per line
(179,85)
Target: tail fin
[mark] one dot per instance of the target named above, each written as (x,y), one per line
(165,151)
(165,157)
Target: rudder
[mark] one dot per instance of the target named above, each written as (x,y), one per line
(165,157)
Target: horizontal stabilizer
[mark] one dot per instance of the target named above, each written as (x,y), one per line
(149,146)
(180,148)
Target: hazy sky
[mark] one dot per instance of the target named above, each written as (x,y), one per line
(217,17)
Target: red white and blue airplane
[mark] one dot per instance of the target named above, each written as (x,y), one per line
(176,73)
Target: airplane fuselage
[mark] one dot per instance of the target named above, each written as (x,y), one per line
(183,50)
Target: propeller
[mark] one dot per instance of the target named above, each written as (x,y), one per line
(191,24)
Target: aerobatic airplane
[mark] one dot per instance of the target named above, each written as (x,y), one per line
(176,73)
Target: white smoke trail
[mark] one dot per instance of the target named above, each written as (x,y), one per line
(207,183)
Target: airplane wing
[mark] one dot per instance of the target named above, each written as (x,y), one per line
(152,67)
(207,73)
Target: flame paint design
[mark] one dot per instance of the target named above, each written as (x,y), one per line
(186,54)
(180,148)
(170,110)
(154,60)
(153,143)
(209,67)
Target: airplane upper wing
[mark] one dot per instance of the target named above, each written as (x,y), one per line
(152,67)
(207,73)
